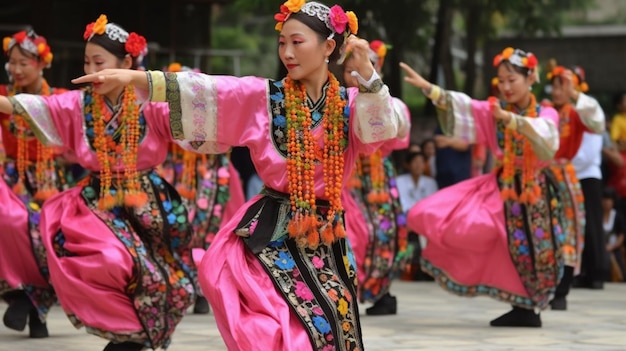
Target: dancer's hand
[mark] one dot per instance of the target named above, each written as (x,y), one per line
(415,78)
(359,54)
(498,112)
(116,77)
(568,84)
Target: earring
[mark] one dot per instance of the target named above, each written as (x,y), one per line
(326,60)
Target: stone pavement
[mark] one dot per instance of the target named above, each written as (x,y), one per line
(428,319)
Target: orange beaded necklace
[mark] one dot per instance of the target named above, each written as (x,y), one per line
(513,141)
(107,149)
(44,166)
(301,145)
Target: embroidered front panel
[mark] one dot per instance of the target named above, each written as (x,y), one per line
(319,286)
(278,125)
(573,220)
(387,243)
(157,236)
(535,240)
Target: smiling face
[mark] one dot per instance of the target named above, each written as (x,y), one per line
(301,50)
(97,59)
(513,85)
(25,69)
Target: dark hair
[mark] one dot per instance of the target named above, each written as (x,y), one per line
(618,98)
(323,32)
(412,155)
(426,142)
(115,47)
(609,193)
(514,68)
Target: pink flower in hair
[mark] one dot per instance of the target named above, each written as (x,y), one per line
(338,19)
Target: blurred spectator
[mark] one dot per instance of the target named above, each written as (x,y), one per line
(613,224)
(618,124)
(429,148)
(453,160)
(414,187)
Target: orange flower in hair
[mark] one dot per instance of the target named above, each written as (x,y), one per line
(294,5)
(5,43)
(353,22)
(101,25)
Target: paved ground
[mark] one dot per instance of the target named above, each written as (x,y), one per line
(428,319)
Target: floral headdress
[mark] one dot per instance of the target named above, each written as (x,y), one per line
(177,67)
(516,57)
(32,43)
(335,18)
(134,44)
(578,76)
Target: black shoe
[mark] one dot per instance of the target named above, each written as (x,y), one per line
(123,346)
(16,315)
(36,328)
(518,317)
(386,305)
(596,285)
(201,306)
(559,304)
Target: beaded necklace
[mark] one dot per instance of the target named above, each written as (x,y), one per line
(304,225)
(107,148)
(515,144)
(44,165)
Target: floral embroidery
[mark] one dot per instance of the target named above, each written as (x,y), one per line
(535,240)
(163,287)
(387,247)
(322,298)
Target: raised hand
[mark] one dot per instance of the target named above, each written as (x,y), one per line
(116,77)
(359,54)
(414,78)
(498,112)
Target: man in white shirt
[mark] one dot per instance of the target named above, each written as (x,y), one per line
(595,264)
(415,186)
(412,188)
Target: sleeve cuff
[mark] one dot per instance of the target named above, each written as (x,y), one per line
(156,82)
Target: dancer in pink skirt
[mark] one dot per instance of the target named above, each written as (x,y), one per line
(498,234)
(31,174)
(280,274)
(118,247)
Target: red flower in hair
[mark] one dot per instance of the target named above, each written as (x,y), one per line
(135,44)
(532,61)
(88,30)
(20,36)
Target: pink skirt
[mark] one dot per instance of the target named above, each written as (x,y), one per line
(18,266)
(250,313)
(468,251)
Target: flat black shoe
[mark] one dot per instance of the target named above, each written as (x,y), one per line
(596,285)
(123,346)
(558,304)
(518,317)
(201,306)
(16,315)
(36,328)
(386,305)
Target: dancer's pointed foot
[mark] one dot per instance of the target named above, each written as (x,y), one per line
(16,315)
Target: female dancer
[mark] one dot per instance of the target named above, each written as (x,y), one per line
(31,175)
(118,247)
(478,243)
(211,190)
(375,221)
(280,274)
(583,115)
